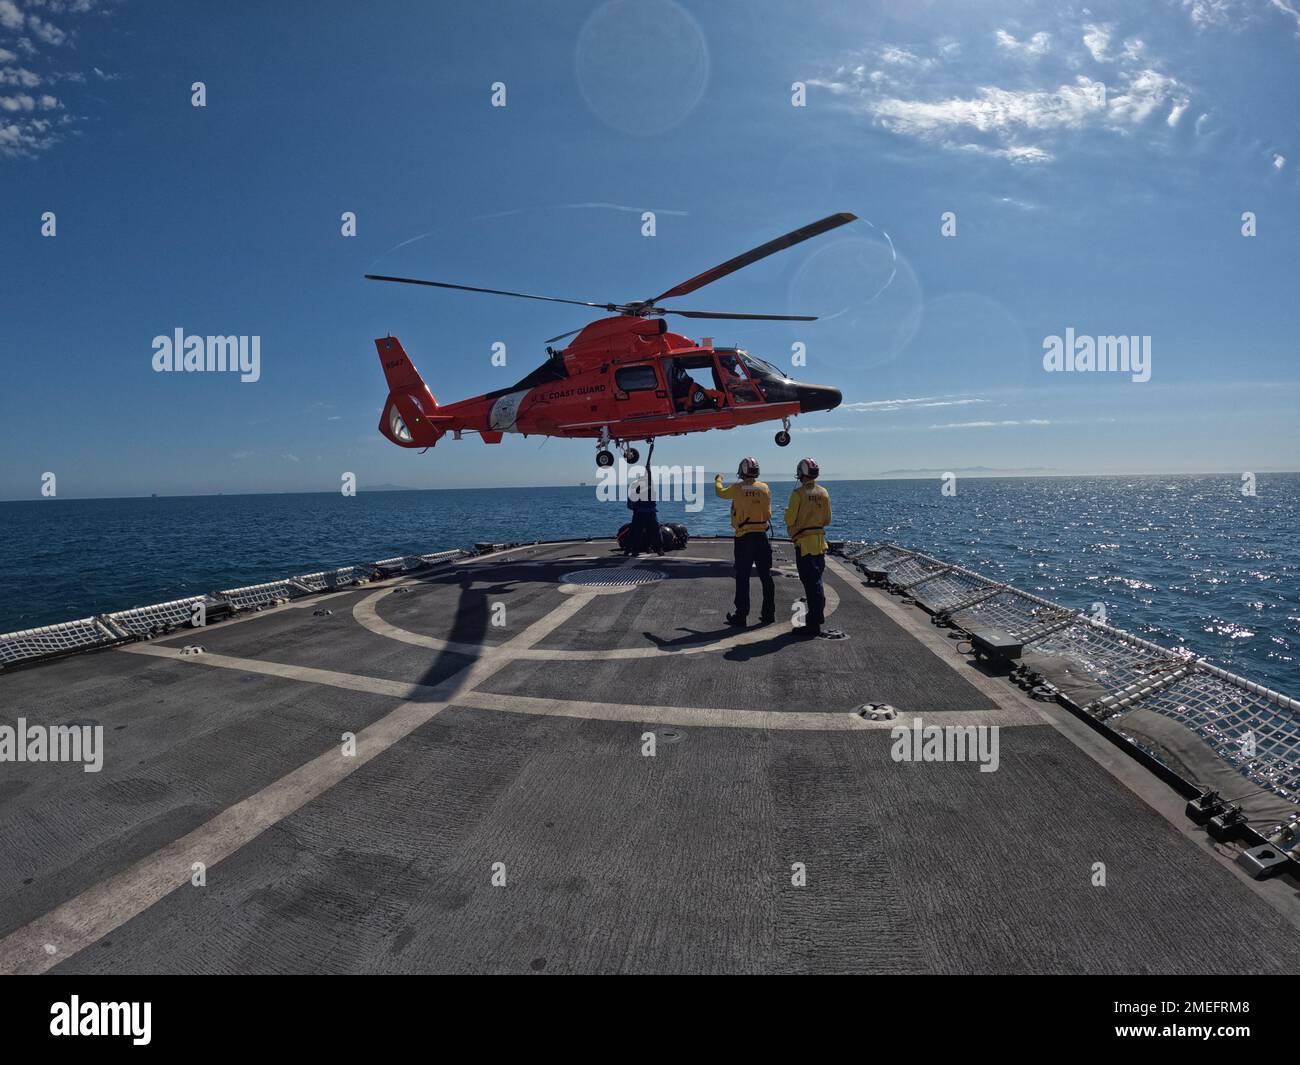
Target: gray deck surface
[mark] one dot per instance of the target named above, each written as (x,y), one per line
(521,744)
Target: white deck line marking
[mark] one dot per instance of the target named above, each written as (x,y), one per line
(97,911)
(710,717)
(731,718)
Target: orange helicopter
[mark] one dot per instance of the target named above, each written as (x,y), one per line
(621,380)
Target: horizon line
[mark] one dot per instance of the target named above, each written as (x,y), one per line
(907,475)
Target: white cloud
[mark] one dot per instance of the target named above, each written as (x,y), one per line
(1134,49)
(19,76)
(1097,40)
(46,31)
(24,137)
(903,58)
(1023,123)
(30,28)
(1033,47)
(1208,12)
(1022,153)
(882,406)
(1279,160)
(1144,93)
(992,425)
(994,109)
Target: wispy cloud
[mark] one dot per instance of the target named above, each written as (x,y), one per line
(1023,112)
(993,425)
(882,406)
(1097,40)
(1032,48)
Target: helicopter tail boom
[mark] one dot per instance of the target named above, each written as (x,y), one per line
(410,417)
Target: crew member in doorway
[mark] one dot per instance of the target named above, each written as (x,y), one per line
(751,516)
(644,534)
(806,516)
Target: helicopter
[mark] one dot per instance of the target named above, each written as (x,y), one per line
(622,379)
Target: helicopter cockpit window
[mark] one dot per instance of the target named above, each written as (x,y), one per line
(736,381)
(732,370)
(763,369)
(636,378)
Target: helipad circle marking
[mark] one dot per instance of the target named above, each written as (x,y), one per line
(365,612)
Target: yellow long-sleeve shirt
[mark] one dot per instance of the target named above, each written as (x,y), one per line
(806,515)
(751,505)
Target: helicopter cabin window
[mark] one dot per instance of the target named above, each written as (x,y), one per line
(695,382)
(636,378)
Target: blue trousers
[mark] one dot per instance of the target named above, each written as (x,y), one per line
(754,551)
(811,568)
(644,534)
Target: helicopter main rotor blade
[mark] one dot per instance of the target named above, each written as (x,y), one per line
(797,236)
(491,291)
(571,332)
(746,317)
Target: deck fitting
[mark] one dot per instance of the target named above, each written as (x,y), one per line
(1263,861)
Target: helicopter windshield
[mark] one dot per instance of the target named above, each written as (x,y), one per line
(759,368)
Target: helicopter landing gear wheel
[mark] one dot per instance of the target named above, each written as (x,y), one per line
(782,439)
(604,458)
(630,455)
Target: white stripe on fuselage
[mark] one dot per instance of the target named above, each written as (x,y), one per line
(505,412)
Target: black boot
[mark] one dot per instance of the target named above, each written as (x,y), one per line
(737,620)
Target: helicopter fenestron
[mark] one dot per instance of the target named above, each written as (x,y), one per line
(621,380)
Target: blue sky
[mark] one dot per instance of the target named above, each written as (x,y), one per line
(1098,160)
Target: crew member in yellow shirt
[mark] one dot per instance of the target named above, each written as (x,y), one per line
(806,516)
(751,516)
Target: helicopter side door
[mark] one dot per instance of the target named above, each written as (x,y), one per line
(639,391)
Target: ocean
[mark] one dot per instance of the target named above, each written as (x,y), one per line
(1186,561)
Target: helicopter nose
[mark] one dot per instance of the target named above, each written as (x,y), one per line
(818,397)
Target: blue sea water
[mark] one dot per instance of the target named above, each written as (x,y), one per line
(1185,561)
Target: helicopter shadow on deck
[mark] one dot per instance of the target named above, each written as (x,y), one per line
(469,620)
